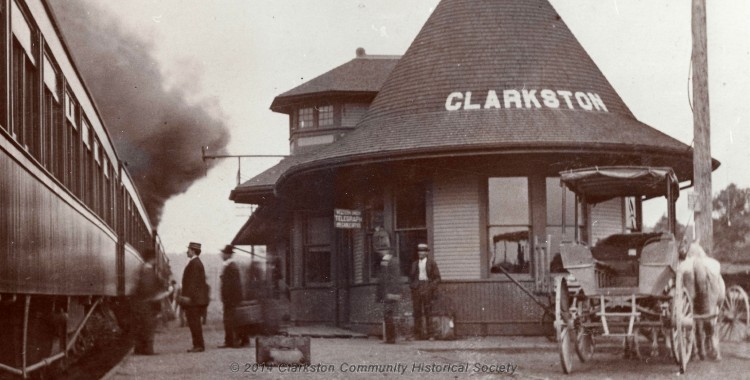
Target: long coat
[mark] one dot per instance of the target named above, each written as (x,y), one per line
(390,280)
(194,284)
(231,285)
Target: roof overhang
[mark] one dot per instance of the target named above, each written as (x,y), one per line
(264,226)
(287,104)
(569,156)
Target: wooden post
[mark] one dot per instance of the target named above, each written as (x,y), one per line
(701,129)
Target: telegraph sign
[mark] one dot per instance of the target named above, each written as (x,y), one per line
(349,219)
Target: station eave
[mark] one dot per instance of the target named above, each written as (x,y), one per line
(362,75)
(681,158)
(286,104)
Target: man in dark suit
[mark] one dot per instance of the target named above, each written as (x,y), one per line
(231,295)
(194,297)
(425,276)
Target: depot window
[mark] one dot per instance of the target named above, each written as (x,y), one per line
(315,117)
(411,223)
(508,224)
(317,249)
(561,216)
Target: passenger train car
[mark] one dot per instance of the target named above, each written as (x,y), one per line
(73,230)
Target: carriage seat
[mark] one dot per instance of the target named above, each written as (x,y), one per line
(623,254)
(658,257)
(590,272)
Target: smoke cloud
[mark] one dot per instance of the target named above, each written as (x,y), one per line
(156,130)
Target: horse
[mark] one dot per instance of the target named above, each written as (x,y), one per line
(701,275)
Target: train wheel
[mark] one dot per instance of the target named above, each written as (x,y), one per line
(734,317)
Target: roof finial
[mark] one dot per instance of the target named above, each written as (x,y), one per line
(361,52)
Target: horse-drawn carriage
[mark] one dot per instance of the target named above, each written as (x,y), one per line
(625,282)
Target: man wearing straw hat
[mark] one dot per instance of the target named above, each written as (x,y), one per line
(194,297)
(425,277)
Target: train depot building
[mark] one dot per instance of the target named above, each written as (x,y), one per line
(458,143)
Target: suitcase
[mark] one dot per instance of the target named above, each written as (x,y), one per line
(282,350)
(443,327)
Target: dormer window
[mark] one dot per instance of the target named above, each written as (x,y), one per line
(325,116)
(315,117)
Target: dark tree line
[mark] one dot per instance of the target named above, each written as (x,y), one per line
(731,216)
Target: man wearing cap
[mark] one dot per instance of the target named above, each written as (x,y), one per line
(194,298)
(231,295)
(425,276)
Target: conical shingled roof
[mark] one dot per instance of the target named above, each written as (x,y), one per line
(531,84)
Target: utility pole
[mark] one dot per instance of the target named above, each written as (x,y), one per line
(701,129)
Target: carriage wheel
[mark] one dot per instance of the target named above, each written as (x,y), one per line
(548,319)
(562,304)
(683,330)
(584,344)
(584,337)
(566,348)
(564,325)
(734,317)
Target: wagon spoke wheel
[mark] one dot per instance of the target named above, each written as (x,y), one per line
(566,348)
(584,338)
(734,317)
(564,325)
(683,330)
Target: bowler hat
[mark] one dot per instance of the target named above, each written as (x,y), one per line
(228,249)
(423,247)
(194,246)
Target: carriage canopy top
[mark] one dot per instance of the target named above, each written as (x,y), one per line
(599,184)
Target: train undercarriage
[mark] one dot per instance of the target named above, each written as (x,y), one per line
(42,335)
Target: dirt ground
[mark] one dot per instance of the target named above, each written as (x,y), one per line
(466,358)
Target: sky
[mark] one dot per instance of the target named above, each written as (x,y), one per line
(238,55)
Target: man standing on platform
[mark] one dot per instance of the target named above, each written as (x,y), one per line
(194,298)
(389,293)
(231,295)
(146,302)
(425,277)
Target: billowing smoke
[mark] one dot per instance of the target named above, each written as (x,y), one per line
(155,129)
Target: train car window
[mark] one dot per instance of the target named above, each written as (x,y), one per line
(50,77)
(22,30)
(70,110)
(74,144)
(24,84)
(85,133)
(55,133)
